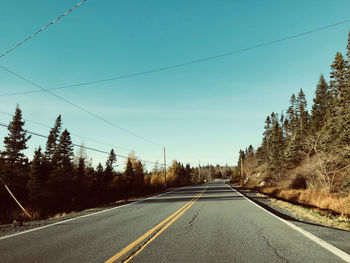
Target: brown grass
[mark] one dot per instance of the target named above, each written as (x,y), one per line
(332,202)
(321,217)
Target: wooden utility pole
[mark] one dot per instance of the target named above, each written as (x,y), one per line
(164,168)
(199,171)
(241,168)
(13,196)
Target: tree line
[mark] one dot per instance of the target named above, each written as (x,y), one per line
(55,180)
(322,134)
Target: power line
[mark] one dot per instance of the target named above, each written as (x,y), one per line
(77,145)
(79,107)
(185,63)
(41,29)
(76,135)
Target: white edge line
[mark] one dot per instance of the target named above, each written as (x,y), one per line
(96,213)
(336,251)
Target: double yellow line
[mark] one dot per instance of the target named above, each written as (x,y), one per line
(157,229)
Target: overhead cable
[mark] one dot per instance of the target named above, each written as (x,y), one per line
(77,145)
(76,135)
(80,108)
(41,29)
(229,53)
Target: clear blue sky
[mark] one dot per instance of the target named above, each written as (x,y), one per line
(203,112)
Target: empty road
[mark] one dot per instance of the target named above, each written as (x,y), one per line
(206,223)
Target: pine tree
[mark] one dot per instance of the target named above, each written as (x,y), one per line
(292,116)
(336,130)
(338,77)
(348,47)
(319,108)
(302,113)
(250,151)
(188,169)
(99,169)
(34,184)
(16,141)
(262,154)
(277,146)
(53,139)
(348,63)
(81,168)
(64,153)
(139,174)
(99,179)
(129,173)
(292,155)
(61,188)
(112,158)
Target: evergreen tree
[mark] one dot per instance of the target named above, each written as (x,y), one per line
(139,174)
(292,155)
(188,169)
(348,63)
(292,116)
(99,180)
(302,113)
(277,146)
(64,153)
(265,146)
(81,168)
(250,151)
(34,184)
(338,79)
(16,141)
(112,158)
(336,134)
(99,169)
(181,174)
(319,108)
(61,187)
(53,139)
(129,173)
(348,48)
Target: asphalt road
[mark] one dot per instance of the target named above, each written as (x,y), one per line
(207,223)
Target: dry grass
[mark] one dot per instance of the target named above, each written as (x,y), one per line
(332,202)
(315,215)
(60,215)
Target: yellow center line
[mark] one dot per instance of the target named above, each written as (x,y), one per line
(162,229)
(144,236)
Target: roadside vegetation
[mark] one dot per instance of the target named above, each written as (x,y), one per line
(304,157)
(55,181)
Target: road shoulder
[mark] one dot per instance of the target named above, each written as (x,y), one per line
(336,237)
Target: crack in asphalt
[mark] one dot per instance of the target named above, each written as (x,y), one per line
(267,241)
(190,224)
(274,249)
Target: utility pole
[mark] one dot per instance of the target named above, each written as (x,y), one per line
(199,171)
(241,168)
(164,168)
(13,196)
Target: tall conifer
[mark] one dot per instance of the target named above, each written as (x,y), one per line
(53,139)
(16,141)
(319,108)
(35,183)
